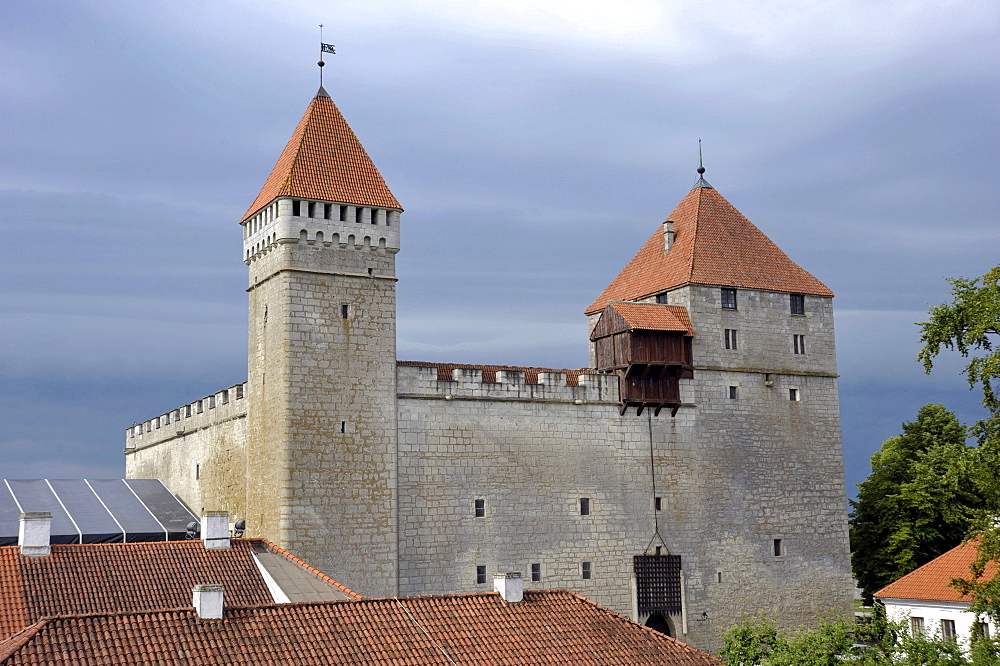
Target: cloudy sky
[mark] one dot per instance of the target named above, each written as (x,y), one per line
(535,146)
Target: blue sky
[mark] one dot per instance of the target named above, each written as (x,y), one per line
(535,147)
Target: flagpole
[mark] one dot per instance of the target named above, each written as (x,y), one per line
(321,63)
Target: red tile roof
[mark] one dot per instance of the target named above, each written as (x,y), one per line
(115,577)
(324,160)
(932,581)
(490,371)
(548,627)
(654,316)
(715,245)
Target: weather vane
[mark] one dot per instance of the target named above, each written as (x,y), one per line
(323,48)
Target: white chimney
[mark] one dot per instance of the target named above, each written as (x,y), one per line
(510,585)
(668,236)
(208,601)
(215,530)
(33,534)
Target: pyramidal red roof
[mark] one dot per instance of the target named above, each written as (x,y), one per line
(324,160)
(714,244)
(932,581)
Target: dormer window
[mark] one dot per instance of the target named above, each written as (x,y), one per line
(728,298)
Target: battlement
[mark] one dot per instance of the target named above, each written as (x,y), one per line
(447,381)
(320,223)
(221,406)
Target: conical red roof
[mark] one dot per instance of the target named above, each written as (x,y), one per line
(715,245)
(324,160)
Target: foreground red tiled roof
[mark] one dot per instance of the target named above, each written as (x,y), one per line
(715,245)
(490,371)
(324,160)
(932,581)
(654,317)
(548,627)
(115,577)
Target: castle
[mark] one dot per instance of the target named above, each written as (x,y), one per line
(691,476)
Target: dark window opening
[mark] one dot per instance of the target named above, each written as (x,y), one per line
(343,213)
(296,207)
(658,503)
(797,303)
(585,570)
(730,338)
(371,271)
(197,471)
(659,550)
(480,510)
(779,548)
(343,426)
(799,344)
(584,506)
(663,298)
(793,395)
(728,298)
(536,572)
(732,393)
(719,576)
(480,575)
(657,622)
(344,311)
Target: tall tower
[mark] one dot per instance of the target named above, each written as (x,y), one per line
(320,240)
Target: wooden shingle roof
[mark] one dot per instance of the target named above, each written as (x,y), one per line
(324,160)
(548,627)
(714,245)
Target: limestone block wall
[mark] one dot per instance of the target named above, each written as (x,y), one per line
(198,450)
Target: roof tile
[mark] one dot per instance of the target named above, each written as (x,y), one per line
(932,581)
(654,316)
(325,160)
(715,245)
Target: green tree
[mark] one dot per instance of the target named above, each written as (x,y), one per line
(970,324)
(920,500)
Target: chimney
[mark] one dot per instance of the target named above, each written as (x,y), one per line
(668,236)
(208,601)
(510,585)
(215,530)
(33,533)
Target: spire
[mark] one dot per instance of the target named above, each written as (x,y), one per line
(324,160)
(701,182)
(714,245)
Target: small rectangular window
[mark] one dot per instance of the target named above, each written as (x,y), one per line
(728,298)
(732,393)
(718,576)
(344,310)
(585,570)
(948,630)
(658,503)
(730,338)
(793,395)
(797,302)
(480,575)
(663,298)
(296,207)
(197,471)
(916,625)
(584,506)
(799,344)
(779,548)
(480,508)
(981,629)
(536,571)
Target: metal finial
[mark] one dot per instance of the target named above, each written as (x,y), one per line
(323,48)
(701,182)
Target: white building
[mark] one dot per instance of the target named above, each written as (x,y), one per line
(932,604)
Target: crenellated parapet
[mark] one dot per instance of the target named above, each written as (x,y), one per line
(444,381)
(320,223)
(213,409)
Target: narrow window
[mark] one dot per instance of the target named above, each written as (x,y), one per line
(718,576)
(371,272)
(732,393)
(779,548)
(343,426)
(344,309)
(730,338)
(296,207)
(480,575)
(799,344)
(981,629)
(197,471)
(793,395)
(797,303)
(728,298)
(536,571)
(948,630)
(343,213)
(658,503)
(585,570)
(480,508)
(659,550)
(916,625)
(584,506)
(663,298)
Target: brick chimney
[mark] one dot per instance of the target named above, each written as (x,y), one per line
(215,530)
(33,534)
(208,601)
(510,585)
